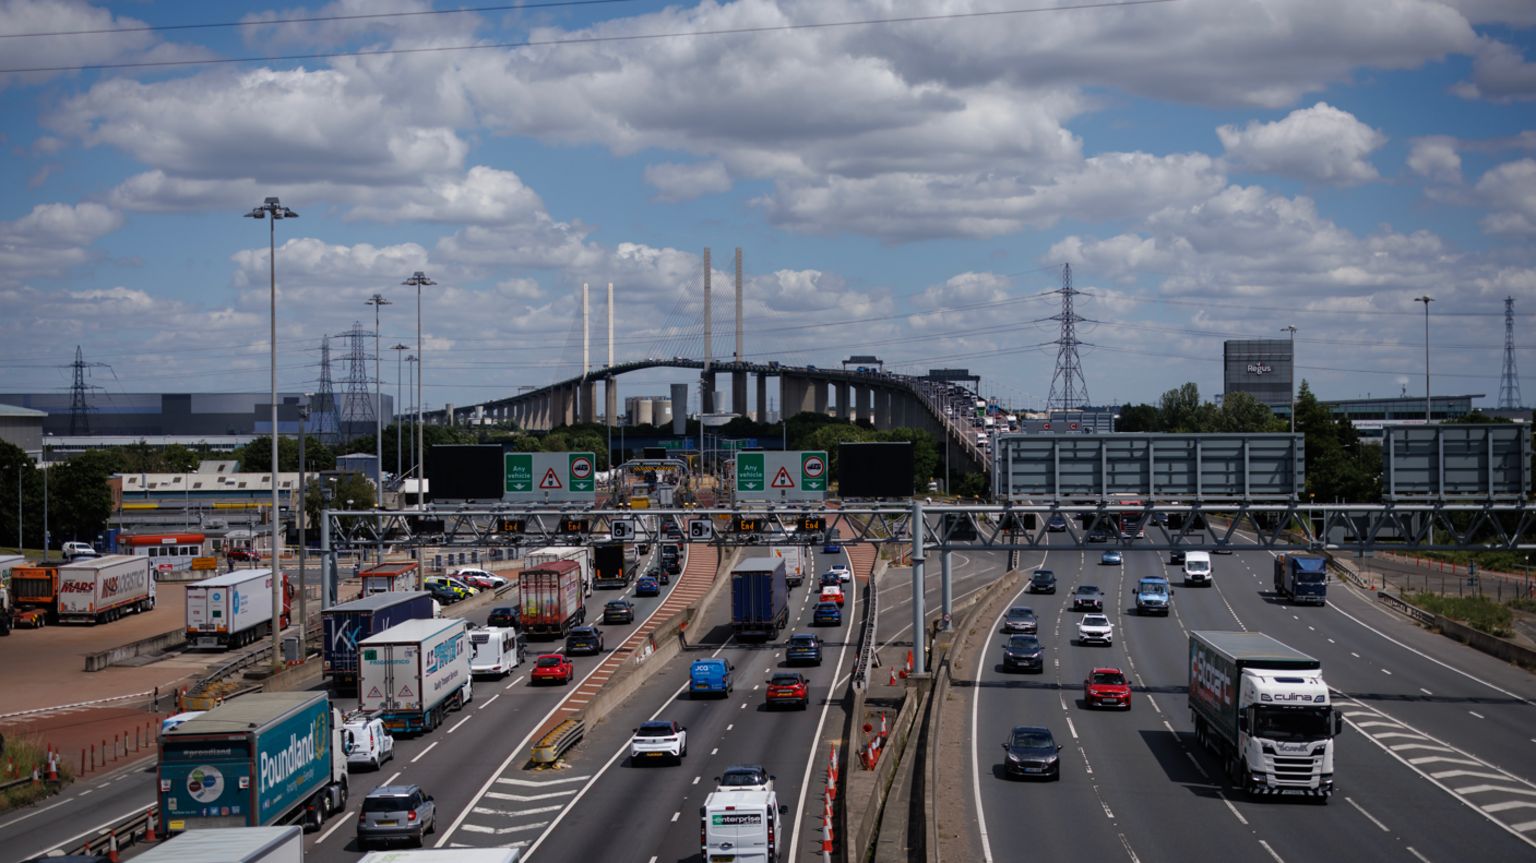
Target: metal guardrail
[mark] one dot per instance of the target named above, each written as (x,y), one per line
(557,742)
(1413,611)
(132,829)
(867,636)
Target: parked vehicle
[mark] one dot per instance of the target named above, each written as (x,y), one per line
(551,598)
(1031,752)
(1107,687)
(226,845)
(505,616)
(1095,629)
(1023,653)
(1153,596)
(414,673)
(710,676)
(1087,597)
(404,575)
(444,594)
(803,647)
(242,555)
(262,759)
(366,741)
(741,826)
(394,813)
(827,614)
(234,609)
(349,623)
(460,589)
(759,598)
(619,611)
(584,640)
(553,668)
(1302,578)
(791,689)
(494,651)
(1020,619)
(102,589)
(658,739)
(1197,568)
(1042,581)
(480,579)
(73,550)
(1265,710)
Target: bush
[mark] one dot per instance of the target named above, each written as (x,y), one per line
(24,755)
(1478,612)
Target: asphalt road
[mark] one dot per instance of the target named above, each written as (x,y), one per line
(1435,764)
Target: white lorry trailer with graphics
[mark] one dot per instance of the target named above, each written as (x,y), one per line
(414,672)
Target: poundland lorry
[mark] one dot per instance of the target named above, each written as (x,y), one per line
(262,759)
(1265,710)
(349,623)
(233,609)
(1302,578)
(100,589)
(413,673)
(759,597)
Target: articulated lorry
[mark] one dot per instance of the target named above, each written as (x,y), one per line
(759,597)
(1265,710)
(348,624)
(794,557)
(577,554)
(1302,578)
(101,589)
(413,673)
(259,760)
(550,595)
(231,845)
(384,577)
(34,594)
(608,569)
(234,609)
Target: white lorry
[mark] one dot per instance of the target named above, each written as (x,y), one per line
(741,826)
(232,609)
(795,563)
(414,672)
(231,845)
(578,553)
(99,589)
(1197,568)
(444,855)
(495,650)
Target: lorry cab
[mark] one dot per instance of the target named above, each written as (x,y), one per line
(1153,596)
(366,741)
(1197,568)
(711,676)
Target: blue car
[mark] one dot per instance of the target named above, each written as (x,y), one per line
(1110,558)
(647,586)
(827,614)
(832,548)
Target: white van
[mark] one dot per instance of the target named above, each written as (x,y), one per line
(1197,568)
(495,651)
(742,826)
(367,741)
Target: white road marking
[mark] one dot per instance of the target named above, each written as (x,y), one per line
(1236,814)
(392,778)
(490,701)
(675,816)
(344,818)
(1361,810)
(460,722)
(1425,691)
(1386,672)
(1478,715)
(513,683)
(1417,854)
(695,780)
(715,751)
(423,752)
(1271,851)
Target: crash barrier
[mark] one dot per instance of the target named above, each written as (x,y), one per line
(869,753)
(867,657)
(140,826)
(1425,617)
(1476,639)
(112,656)
(557,742)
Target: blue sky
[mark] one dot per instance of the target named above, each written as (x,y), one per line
(1211,169)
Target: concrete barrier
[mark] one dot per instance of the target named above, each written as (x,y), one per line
(112,656)
(1490,644)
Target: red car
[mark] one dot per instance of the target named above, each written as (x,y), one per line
(245,554)
(553,668)
(792,689)
(832,594)
(1107,687)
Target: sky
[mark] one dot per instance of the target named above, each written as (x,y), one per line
(905,178)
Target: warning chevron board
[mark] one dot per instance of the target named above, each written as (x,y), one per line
(793,475)
(536,477)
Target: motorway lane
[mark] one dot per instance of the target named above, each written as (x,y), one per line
(651,813)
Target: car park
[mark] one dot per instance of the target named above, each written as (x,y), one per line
(393,813)
(618,611)
(552,668)
(1087,597)
(657,740)
(1107,687)
(827,614)
(647,586)
(506,616)
(832,593)
(1110,558)
(1032,753)
(1020,619)
(1023,653)
(787,689)
(584,640)
(1095,629)
(744,777)
(803,647)
(1042,581)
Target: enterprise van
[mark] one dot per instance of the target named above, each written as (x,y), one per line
(1197,568)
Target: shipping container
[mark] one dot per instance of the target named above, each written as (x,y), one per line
(551,598)
(99,589)
(233,609)
(413,673)
(348,624)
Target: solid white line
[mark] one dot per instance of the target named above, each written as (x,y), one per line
(423,752)
(488,702)
(810,758)
(460,722)
(1361,810)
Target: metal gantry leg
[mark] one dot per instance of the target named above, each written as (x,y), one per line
(947,588)
(327,569)
(919,663)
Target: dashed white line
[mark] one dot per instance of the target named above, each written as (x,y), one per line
(512,684)
(1425,691)
(1478,715)
(1369,816)
(1271,851)
(460,722)
(1417,854)
(423,752)
(675,816)
(490,701)
(1386,672)
(714,752)
(392,778)
(1235,814)
(695,780)
(1354,654)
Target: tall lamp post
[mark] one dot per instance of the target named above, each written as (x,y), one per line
(415,378)
(271,209)
(378,301)
(1426,300)
(303,517)
(1292,330)
(418,280)
(399,414)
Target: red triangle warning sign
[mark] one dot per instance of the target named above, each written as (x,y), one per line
(375,693)
(550,482)
(782,480)
(405,692)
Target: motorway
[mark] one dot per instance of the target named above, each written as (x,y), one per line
(1435,763)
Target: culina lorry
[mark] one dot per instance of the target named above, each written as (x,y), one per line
(1302,578)
(233,609)
(349,623)
(254,761)
(1265,710)
(550,597)
(759,597)
(414,672)
(99,589)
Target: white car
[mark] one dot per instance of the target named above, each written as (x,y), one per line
(844,574)
(744,777)
(496,580)
(658,739)
(1095,629)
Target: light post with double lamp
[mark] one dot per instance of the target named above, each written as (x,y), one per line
(378,301)
(1292,331)
(271,209)
(415,385)
(1426,300)
(419,280)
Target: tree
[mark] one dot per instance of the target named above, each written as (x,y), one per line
(256,456)
(1339,466)
(926,462)
(1242,413)
(1180,408)
(1139,418)
(345,487)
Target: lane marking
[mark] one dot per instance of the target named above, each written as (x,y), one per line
(460,722)
(490,701)
(1478,715)
(675,816)
(423,752)
(1369,816)
(1271,851)
(1235,814)
(392,778)
(512,684)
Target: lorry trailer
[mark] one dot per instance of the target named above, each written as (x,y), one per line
(234,609)
(550,595)
(759,597)
(347,624)
(102,589)
(414,672)
(578,554)
(231,845)
(609,571)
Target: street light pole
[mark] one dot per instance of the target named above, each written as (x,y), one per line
(419,280)
(411,358)
(303,516)
(1426,300)
(271,210)
(378,301)
(1292,331)
(399,414)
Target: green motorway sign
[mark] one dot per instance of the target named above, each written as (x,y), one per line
(749,472)
(519,472)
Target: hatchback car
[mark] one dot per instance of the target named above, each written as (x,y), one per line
(1023,653)
(444,594)
(1095,629)
(481,578)
(243,554)
(619,611)
(1056,524)
(658,739)
(1032,753)
(1110,558)
(744,777)
(1175,556)
(584,640)
(1107,687)
(552,668)
(396,813)
(507,616)
(647,586)
(832,548)
(788,689)
(844,574)
(827,614)
(832,593)
(1042,581)
(830,579)
(1087,597)
(804,647)
(1021,619)
(672,567)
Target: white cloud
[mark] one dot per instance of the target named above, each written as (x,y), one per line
(1320,143)
(1435,158)
(678,182)
(1517,12)
(1510,191)
(1500,73)
(52,239)
(85,49)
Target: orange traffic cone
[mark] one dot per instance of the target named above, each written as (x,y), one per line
(112,849)
(149,828)
(892,681)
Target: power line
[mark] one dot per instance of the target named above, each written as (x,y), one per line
(587,40)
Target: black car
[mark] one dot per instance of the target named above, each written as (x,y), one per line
(1042,581)
(509,616)
(1032,752)
(1087,598)
(673,567)
(583,640)
(1021,619)
(619,611)
(1024,653)
(1056,524)
(831,579)
(443,593)
(803,647)
(1175,556)
(659,574)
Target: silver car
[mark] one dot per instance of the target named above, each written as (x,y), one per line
(393,813)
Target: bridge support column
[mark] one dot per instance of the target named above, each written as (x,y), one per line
(819,397)
(843,412)
(739,393)
(611,401)
(707,397)
(882,409)
(762,398)
(589,401)
(568,405)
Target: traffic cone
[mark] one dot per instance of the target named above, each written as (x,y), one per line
(826,832)
(892,681)
(909,662)
(149,828)
(112,849)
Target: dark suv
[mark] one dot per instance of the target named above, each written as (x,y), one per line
(1042,581)
(583,639)
(396,812)
(803,647)
(509,616)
